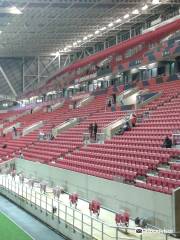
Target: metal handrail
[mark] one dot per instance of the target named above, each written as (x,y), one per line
(83,224)
(14,187)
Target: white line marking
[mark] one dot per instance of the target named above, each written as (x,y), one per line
(10,219)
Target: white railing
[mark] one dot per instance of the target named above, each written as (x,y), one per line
(10,128)
(64,126)
(72,217)
(57,105)
(85,101)
(32,127)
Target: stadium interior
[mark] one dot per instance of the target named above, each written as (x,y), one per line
(90,119)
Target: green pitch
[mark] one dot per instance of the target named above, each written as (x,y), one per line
(10,231)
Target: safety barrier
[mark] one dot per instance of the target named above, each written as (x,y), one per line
(88,226)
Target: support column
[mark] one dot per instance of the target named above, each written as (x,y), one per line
(38,69)
(59,60)
(8,81)
(104,44)
(23,74)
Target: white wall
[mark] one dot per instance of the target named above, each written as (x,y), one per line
(157,207)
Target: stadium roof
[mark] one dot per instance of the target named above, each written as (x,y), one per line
(45,27)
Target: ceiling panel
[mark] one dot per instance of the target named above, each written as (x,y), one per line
(48,25)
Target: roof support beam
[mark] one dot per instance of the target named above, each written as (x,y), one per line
(8,81)
(39,75)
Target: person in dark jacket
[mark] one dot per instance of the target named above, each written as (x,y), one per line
(167,142)
(109,103)
(95,128)
(15,131)
(114,98)
(91,129)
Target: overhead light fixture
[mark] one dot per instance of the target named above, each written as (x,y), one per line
(134,70)
(103,28)
(75,44)
(14,10)
(152,65)
(154,2)
(85,38)
(135,11)
(143,67)
(79,41)
(66,49)
(90,36)
(97,32)
(145,7)
(110,24)
(118,20)
(57,53)
(0,32)
(126,16)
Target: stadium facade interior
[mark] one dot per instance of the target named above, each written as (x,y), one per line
(84,123)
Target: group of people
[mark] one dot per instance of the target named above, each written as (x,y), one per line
(93,130)
(129,123)
(43,136)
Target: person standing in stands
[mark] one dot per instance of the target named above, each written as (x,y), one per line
(31,110)
(114,98)
(74,104)
(15,131)
(95,130)
(109,103)
(91,129)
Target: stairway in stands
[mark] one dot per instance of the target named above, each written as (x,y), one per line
(46,151)
(164,121)
(14,145)
(138,151)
